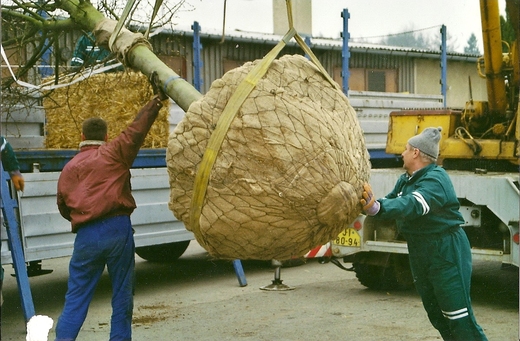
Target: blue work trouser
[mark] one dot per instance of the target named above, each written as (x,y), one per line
(109,241)
(441,268)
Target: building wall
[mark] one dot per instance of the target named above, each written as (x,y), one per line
(459,72)
(413,75)
(217,57)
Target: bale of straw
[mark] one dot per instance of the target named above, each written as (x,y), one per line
(290,171)
(116,97)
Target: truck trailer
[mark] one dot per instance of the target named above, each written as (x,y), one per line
(159,236)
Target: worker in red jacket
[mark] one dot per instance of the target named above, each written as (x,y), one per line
(94,194)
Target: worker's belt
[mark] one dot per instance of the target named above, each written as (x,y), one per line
(97,220)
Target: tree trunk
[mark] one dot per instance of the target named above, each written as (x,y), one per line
(131,49)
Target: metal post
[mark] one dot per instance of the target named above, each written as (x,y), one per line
(197,60)
(276,284)
(45,61)
(345,53)
(444,64)
(15,244)
(308,43)
(239,271)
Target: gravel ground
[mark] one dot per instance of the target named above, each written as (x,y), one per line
(198,298)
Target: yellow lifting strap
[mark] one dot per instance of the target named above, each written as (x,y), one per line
(230,111)
(126,11)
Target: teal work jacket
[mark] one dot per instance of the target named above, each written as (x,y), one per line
(9,161)
(424,203)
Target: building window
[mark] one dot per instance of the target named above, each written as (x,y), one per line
(361,79)
(376,80)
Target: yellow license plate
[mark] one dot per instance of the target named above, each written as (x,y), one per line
(348,237)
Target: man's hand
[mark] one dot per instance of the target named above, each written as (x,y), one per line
(156,86)
(368,201)
(17,180)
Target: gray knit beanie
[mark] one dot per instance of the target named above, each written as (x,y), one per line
(427,141)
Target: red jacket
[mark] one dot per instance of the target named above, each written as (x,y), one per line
(95,184)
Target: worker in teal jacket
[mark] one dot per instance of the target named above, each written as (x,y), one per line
(426,209)
(87,53)
(11,165)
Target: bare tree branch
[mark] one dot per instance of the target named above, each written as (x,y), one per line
(29,19)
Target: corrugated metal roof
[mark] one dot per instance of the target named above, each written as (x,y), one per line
(319,43)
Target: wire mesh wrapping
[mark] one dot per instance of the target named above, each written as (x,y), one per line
(289,173)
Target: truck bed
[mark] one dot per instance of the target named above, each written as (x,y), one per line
(47,235)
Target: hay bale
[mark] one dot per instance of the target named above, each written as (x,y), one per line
(290,171)
(116,97)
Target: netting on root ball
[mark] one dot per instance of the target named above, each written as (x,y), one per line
(289,173)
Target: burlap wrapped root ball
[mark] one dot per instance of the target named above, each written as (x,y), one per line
(289,174)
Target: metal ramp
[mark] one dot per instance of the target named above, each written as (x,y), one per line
(9,204)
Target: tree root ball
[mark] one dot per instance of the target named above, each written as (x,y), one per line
(290,171)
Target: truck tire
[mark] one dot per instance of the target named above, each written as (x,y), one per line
(162,253)
(382,271)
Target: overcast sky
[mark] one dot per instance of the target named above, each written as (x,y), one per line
(368,18)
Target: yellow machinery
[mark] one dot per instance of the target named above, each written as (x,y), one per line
(487,133)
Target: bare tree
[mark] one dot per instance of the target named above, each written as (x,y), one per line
(32,29)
